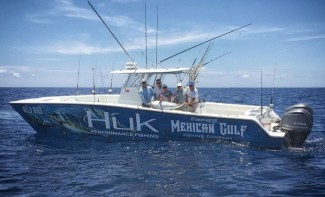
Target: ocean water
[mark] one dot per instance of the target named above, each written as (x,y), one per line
(35,166)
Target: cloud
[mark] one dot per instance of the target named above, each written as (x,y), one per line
(18,71)
(15,74)
(63,8)
(305,38)
(183,37)
(76,47)
(263,30)
(172,38)
(245,75)
(11,72)
(48,59)
(195,34)
(69,9)
(124,1)
(136,43)
(192,33)
(213,73)
(39,19)
(303,33)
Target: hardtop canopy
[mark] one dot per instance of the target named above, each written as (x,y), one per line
(171,76)
(152,71)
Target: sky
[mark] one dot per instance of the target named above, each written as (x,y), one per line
(46,43)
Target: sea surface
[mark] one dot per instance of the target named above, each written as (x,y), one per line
(35,166)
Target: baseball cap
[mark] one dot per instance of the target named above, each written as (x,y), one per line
(191,83)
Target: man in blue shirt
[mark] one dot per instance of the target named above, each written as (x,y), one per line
(146,93)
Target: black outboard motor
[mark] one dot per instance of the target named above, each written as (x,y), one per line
(297,122)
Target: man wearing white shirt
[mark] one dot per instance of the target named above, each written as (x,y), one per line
(192,97)
(158,89)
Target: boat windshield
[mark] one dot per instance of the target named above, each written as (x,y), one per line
(133,80)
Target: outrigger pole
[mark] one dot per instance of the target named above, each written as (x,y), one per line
(145,31)
(111,32)
(157,39)
(204,42)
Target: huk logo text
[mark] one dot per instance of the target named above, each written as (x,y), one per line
(135,123)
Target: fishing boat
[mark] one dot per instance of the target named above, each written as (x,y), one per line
(122,117)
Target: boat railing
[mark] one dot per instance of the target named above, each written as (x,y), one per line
(99,98)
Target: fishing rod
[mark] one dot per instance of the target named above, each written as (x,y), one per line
(196,70)
(272,105)
(220,56)
(77,91)
(205,42)
(111,32)
(188,71)
(261,92)
(110,90)
(94,87)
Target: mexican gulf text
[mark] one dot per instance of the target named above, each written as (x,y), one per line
(178,126)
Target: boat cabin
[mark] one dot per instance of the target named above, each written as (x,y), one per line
(130,90)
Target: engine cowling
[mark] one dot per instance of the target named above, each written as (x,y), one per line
(297,122)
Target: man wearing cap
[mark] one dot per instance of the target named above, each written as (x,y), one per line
(192,97)
(158,89)
(166,95)
(146,93)
(179,96)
